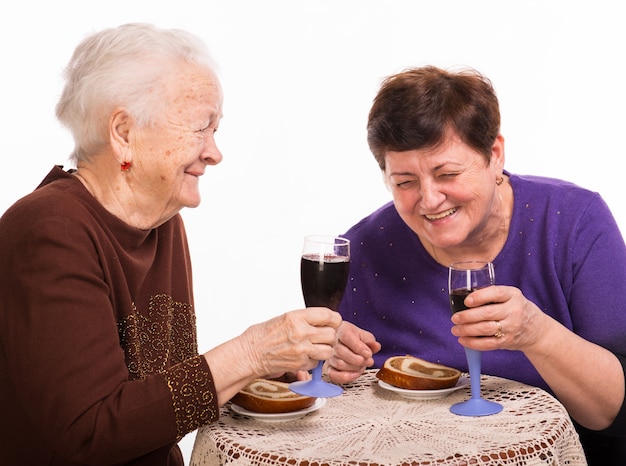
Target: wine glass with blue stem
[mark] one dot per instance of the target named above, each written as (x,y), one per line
(463,278)
(324,268)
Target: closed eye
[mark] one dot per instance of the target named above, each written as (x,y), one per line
(450,176)
(211,127)
(406,184)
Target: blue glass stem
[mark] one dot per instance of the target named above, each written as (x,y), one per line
(316,386)
(475,406)
(317,371)
(474,359)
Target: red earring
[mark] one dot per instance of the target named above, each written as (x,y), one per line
(125,166)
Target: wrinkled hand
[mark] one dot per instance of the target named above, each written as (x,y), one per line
(521,321)
(352,353)
(292,342)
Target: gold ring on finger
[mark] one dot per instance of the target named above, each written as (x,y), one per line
(499,333)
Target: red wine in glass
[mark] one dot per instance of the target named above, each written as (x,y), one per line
(463,278)
(324,268)
(324,279)
(457,299)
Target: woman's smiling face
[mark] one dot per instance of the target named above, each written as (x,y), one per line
(445,194)
(169,156)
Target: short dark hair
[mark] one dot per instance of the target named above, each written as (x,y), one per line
(417,108)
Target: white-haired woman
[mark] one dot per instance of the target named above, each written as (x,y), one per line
(98,350)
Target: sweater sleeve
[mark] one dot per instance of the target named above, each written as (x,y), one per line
(193,395)
(597,283)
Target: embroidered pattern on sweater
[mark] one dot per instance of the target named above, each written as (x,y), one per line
(163,341)
(162,337)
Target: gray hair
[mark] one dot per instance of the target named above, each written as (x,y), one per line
(122,67)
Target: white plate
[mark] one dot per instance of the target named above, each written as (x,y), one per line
(425,394)
(273,417)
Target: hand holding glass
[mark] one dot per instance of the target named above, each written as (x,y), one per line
(463,278)
(324,268)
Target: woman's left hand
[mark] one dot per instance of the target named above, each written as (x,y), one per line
(498,317)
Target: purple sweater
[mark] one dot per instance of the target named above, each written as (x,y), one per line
(564,251)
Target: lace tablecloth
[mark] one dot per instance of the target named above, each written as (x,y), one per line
(369,425)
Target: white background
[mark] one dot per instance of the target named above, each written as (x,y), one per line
(299,77)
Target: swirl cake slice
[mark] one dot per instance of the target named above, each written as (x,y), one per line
(271,396)
(417,374)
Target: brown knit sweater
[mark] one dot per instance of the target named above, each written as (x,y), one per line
(98,352)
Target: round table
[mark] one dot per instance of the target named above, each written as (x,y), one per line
(372,426)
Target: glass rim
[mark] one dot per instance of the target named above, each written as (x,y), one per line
(466,265)
(327,239)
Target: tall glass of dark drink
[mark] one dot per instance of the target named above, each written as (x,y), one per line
(463,278)
(324,268)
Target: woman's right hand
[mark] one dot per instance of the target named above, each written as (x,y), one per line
(292,342)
